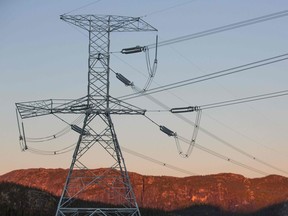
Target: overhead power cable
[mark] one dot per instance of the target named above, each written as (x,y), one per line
(204,130)
(249,155)
(81,7)
(209,76)
(234,101)
(168,8)
(124,149)
(58,134)
(223,28)
(245,100)
(51,152)
(171,133)
(211,152)
(145,157)
(226,158)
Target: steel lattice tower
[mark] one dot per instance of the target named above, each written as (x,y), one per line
(97,128)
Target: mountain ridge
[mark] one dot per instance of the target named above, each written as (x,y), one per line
(228,191)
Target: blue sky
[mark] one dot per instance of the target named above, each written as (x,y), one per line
(42,57)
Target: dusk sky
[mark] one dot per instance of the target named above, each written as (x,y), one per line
(42,57)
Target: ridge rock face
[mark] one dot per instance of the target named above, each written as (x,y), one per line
(230,192)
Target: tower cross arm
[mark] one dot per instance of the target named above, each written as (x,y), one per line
(77,106)
(45,107)
(108,23)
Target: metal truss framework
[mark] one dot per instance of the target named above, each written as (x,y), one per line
(97,128)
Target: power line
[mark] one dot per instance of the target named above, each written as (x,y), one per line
(58,134)
(51,152)
(245,100)
(236,101)
(248,99)
(248,66)
(231,146)
(209,76)
(81,7)
(124,149)
(168,8)
(145,157)
(222,28)
(228,159)
(217,138)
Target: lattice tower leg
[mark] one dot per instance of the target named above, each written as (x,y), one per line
(111,186)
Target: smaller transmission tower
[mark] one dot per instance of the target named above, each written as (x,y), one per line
(97,129)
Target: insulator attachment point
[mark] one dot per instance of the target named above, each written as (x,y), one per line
(79,130)
(167,131)
(185,109)
(124,79)
(132,50)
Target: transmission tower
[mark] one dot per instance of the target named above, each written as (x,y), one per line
(97,129)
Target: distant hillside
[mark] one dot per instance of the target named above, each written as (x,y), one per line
(26,201)
(20,200)
(180,196)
